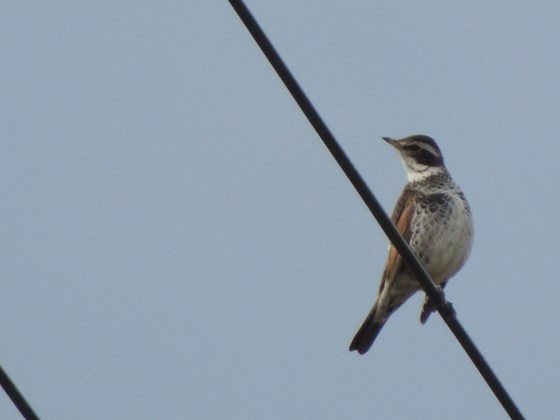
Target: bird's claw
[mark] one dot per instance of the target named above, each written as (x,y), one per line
(429,307)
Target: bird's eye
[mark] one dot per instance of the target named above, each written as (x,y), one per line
(412,147)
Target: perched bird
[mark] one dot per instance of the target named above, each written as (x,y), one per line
(434,217)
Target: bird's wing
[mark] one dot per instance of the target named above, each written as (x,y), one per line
(402,218)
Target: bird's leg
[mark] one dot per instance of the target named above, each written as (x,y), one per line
(429,307)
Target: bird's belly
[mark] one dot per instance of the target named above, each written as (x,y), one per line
(445,245)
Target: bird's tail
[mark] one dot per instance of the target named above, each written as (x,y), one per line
(367,333)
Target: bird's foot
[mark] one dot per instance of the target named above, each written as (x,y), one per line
(429,307)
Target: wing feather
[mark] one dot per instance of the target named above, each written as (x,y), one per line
(402,218)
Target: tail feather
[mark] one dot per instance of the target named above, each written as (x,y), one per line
(368,332)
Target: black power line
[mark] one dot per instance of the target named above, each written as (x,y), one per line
(16,397)
(436,297)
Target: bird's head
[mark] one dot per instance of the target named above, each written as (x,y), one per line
(420,154)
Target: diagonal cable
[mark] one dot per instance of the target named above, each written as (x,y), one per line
(444,308)
(16,397)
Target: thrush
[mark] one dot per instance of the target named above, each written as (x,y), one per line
(434,217)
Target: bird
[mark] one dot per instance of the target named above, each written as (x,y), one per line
(434,217)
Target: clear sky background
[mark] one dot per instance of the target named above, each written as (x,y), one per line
(177,243)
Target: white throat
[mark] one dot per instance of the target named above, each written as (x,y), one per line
(423,172)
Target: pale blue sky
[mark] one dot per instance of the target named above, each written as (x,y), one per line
(177,242)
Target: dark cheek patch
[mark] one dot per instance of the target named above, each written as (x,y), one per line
(426,158)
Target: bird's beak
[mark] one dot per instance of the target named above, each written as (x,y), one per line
(391,141)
